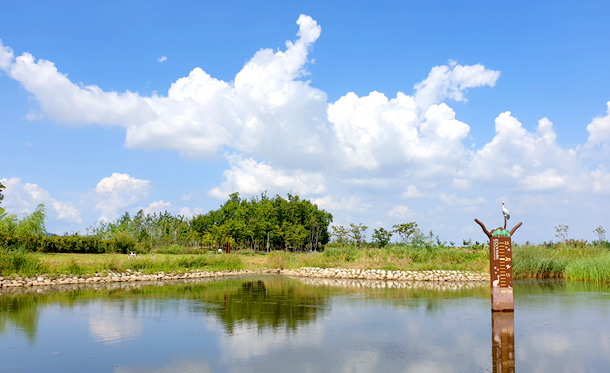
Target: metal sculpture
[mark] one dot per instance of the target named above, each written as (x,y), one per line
(501,264)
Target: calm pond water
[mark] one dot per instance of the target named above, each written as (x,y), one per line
(279,324)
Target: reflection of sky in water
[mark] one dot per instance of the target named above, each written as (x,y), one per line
(362,336)
(554,331)
(112,323)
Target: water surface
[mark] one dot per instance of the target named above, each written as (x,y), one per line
(274,323)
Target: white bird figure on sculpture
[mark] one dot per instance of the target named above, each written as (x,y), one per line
(505,212)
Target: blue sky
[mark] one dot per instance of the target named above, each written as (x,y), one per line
(427,111)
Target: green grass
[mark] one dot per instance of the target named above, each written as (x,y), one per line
(403,257)
(30,264)
(574,262)
(595,269)
(539,262)
(581,262)
(22,263)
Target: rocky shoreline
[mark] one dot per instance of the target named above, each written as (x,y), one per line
(305,272)
(380,274)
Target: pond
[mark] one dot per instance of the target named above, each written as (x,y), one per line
(278,324)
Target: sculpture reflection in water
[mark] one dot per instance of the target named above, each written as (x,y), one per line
(503,341)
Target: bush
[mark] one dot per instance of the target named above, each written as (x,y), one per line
(56,244)
(602,244)
(123,242)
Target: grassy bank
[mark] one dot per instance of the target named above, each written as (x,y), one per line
(581,263)
(30,264)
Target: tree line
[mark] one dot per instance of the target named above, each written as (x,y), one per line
(265,223)
(409,234)
(258,223)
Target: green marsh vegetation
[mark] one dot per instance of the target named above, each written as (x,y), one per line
(580,262)
(573,260)
(274,232)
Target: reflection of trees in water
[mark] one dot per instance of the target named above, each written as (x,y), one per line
(262,301)
(21,313)
(268,304)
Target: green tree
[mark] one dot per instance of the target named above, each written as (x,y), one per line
(562,231)
(381,237)
(3,212)
(30,225)
(287,223)
(2,187)
(405,230)
(356,232)
(33,224)
(601,233)
(340,233)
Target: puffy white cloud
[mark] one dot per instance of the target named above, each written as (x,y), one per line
(266,104)
(375,132)
(412,192)
(599,128)
(65,211)
(162,59)
(158,207)
(269,112)
(188,213)
(401,212)
(529,161)
(345,203)
(118,191)
(460,183)
(451,81)
(249,177)
(67,102)
(6,57)
(462,205)
(601,180)
(23,198)
(454,200)
(286,137)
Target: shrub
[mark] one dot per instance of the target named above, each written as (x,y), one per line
(123,242)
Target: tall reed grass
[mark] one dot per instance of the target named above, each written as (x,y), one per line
(20,263)
(580,262)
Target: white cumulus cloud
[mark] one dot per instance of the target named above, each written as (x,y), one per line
(599,128)
(525,160)
(344,203)
(157,207)
(284,136)
(118,191)
(249,177)
(401,212)
(24,197)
